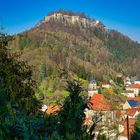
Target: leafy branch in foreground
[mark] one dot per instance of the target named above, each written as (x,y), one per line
(18,104)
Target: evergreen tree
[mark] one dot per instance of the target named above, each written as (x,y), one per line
(42,72)
(120,81)
(72,114)
(101,137)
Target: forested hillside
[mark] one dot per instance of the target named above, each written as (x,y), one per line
(67,44)
(21,117)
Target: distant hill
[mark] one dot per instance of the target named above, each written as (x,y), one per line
(79,46)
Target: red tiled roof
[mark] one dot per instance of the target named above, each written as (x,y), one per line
(137,109)
(135,86)
(98,102)
(52,109)
(105,83)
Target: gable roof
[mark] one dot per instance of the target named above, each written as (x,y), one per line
(133,103)
(98,102)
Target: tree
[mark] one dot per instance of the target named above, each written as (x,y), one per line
(42,72)
(18,104)
(16,81)
(136,134)
(120,81)
(19,116)
(72,114)
(101,137)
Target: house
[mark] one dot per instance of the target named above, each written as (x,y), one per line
(128,88)
(137,82)
(126,105)
(132,103)
(136,88)
(127,81)
(44,108)
(122,115)
(52,110)
(127,84)
(135,85)
(135,98)
(100,112)
(128,93)
(99,103)
(92,92)
(132,113)
(99,107)
(106,85)
(123,127)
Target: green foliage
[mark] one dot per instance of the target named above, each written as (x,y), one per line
(114,98)
(55,136)
(19,116)
(16,82)
(23,42)
(136,134)
(17,100)
(74,49)
(68,123)
(72,114)
(120,81)
(42,72)
(101,137)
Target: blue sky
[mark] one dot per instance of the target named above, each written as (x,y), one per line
(122,15)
